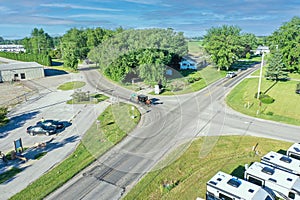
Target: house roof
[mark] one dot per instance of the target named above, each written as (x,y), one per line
(19,65)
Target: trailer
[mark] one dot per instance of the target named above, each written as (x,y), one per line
(282,162)
(225,186)
(284,184)
(294,151)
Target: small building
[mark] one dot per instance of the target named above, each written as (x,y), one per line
(21,71)
(188,64)
(262,49)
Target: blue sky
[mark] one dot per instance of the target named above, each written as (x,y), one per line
(193,17)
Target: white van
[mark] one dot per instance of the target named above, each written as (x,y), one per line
(225,186)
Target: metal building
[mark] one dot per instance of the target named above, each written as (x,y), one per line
(21,71)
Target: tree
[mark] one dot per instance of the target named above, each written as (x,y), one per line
(3,115)
(39,42)
(287,40)
(153,73)
(124,52)
(224,44)
(275,69)
(249,42)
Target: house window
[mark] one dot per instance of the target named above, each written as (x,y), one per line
(23,76)
(16,75)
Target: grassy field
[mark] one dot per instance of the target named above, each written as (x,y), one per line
(207,76)
(194,47)
(285,109)
(97,140)
(190,172)
(71,85)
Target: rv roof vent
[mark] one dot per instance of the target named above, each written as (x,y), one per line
(286,159)
(297,149)
(251,190)
(289,179)
(266,158)
(268,170)
(234,182)
(219,179)
(272,179)
(272,156)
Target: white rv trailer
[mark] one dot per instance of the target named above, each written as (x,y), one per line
(294,151)
(282,162)
(225,186)
(284,184)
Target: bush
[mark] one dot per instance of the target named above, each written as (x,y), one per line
(264,98)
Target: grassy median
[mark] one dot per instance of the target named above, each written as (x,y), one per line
(285,108)
(106,131)
(186,177)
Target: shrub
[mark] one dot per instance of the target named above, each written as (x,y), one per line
(270,113)
(264,98)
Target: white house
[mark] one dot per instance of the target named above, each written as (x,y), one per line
(188,64)
(262,49)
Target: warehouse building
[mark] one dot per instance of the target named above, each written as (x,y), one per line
(21,71)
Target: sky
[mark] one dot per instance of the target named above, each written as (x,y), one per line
(192,17)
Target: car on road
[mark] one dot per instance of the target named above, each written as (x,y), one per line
(231,74)
(40,129)
(49,122)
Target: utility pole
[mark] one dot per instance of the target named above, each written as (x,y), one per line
(260,75)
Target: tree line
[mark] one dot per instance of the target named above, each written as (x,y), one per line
(227,44)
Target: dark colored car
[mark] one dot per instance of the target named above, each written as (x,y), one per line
(40,129)
(54,123)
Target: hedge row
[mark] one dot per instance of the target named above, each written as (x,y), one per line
(42,59)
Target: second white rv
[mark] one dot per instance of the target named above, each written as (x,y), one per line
(284,184)
(282,162)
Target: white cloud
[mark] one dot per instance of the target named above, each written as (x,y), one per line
(73,6)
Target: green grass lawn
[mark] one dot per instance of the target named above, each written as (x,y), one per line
(207,76)
(71,85)
(94,98)
(191,171)
(97,140)
(9,174)
(286,107)
(194,46)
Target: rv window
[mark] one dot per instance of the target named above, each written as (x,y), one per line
(294,156)
(292,195)
(224,197)
(234,182)
(255,181)
(272,179)
(286,159)
(268,198)
(268,170)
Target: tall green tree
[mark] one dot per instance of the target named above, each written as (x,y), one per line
(287,40)
(275,69)
(224,44)
(40,42)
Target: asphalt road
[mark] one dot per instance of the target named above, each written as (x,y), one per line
(175,123)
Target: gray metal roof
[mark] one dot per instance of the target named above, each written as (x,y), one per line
(19,65)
